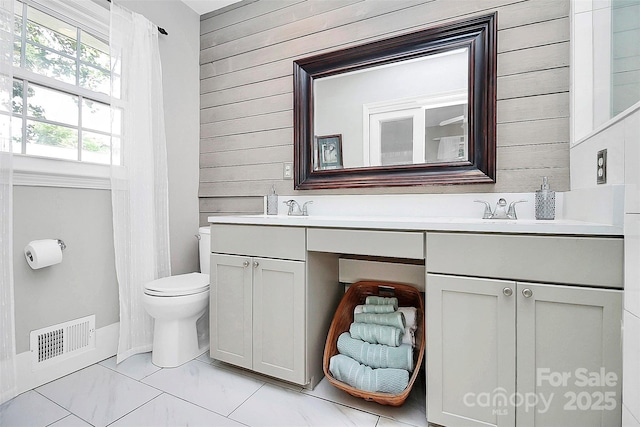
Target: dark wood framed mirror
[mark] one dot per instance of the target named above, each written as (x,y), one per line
(414,109)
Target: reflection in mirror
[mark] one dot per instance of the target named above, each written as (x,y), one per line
(418,116)
(413,109)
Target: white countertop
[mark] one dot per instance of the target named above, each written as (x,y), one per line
(473,225)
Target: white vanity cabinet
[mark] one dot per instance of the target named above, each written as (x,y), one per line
(258,314)
(258,302)
(569,352)
(514,352)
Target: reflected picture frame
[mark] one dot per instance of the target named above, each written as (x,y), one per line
(329,152)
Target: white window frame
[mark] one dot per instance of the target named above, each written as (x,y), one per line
(30,170)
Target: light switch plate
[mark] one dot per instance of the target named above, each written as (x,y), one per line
(287,170)
(602,166)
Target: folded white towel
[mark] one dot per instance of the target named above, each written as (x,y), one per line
(410,316)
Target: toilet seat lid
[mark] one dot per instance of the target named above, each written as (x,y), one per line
(183,284)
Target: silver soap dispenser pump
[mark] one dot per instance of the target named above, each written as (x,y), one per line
(545,201)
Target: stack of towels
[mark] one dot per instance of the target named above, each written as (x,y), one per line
(376,355)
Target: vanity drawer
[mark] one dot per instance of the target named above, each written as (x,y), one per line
(396,244)
(587,261)
(257,240)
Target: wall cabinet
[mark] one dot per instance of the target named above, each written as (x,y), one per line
(258,315)
(505,353)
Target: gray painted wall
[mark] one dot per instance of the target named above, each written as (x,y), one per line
(246,89)
(180,74)
(84,283)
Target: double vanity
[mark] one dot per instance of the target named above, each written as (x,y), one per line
(522,317)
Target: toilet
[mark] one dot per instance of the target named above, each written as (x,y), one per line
(176,303)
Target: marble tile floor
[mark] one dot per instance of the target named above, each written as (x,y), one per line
(202,392)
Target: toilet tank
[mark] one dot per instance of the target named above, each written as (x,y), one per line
(204,248)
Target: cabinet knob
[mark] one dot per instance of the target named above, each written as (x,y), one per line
(527,293)
(255,264)
(507,292)
(245,264)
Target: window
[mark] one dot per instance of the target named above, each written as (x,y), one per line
(61,89)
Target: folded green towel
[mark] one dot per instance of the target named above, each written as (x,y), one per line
(376,300)
(390,319)
(410,317)
(376,355)
(376,334)
(385,380)
(373,308)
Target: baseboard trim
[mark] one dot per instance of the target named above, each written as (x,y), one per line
(28,378)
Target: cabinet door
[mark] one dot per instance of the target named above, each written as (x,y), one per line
(230,309)
(569,356)
(471,348)
(279,319)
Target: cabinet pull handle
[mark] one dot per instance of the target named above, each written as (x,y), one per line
(255,264)
(507,292)
(527,293)
(245,264)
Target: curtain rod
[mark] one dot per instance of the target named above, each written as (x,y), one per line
(160,29)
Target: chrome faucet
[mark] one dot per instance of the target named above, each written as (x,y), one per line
(294,208)
(501,211)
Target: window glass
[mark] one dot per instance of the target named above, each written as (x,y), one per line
(116,153)
(94,51)
(17,32)
(52,105)
(94,79)
(44,62)
(17,96)
(96,147)
(96,116)
(16,134)
(52,33)
(50,140)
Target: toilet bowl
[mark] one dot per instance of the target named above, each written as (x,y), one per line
(176,303)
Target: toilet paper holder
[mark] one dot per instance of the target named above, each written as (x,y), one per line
(61,243)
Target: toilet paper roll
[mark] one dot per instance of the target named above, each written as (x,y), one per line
(43,253)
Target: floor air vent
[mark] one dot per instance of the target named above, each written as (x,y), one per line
(60,342)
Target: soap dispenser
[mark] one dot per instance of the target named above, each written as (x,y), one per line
(272,201)
(545,201)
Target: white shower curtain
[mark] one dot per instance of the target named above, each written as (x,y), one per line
(7,330)
(139,190)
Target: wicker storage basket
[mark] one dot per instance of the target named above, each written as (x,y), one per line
(355,295)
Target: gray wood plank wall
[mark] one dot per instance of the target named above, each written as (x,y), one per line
(246,89)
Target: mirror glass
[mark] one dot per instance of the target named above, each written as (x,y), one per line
(413,109)
(418,116)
